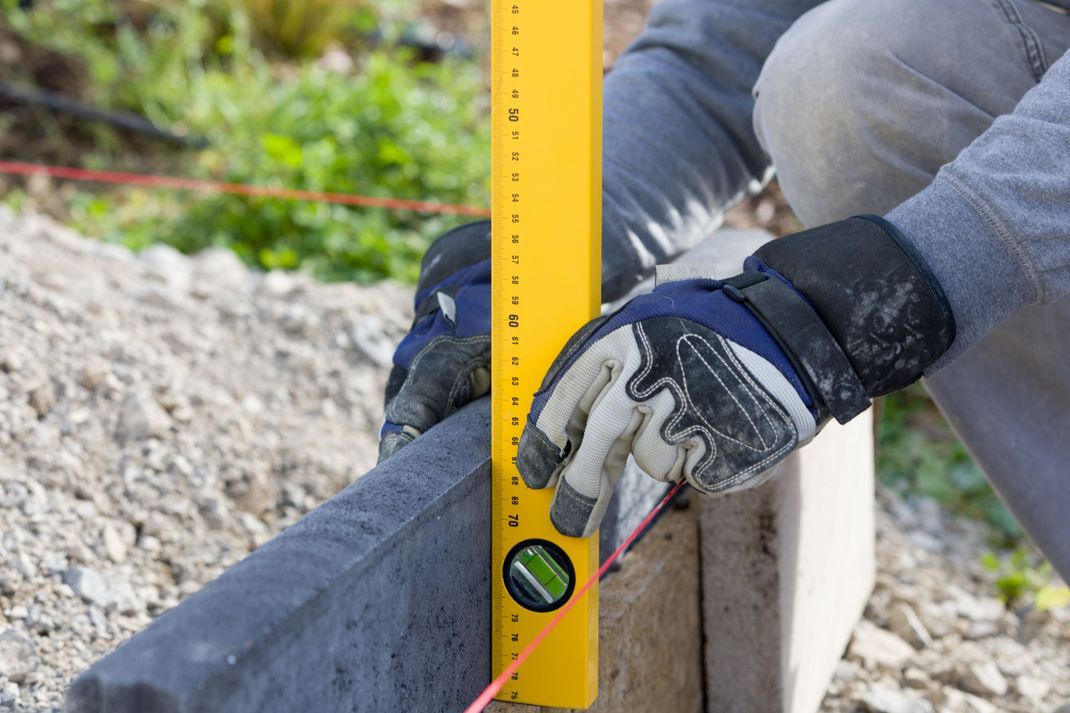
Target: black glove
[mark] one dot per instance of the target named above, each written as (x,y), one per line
(444,360)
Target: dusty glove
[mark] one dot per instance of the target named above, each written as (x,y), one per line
(444,360)
(717,381)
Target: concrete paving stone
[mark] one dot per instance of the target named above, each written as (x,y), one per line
(377,600)
(786,571)
(786,567)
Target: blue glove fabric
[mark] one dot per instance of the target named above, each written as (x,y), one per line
(444,360)
(470,288)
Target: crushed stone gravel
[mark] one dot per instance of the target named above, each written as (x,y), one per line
(160,417)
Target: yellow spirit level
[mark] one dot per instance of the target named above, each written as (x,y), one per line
(547,191)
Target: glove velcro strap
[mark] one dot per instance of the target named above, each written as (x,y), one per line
(804,337)
(874,293)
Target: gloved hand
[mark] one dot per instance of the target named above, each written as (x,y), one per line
(444,360)
(717,381)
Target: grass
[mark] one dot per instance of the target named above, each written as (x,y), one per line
(1023,581)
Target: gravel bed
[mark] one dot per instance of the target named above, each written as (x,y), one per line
(936,639)
(160,417)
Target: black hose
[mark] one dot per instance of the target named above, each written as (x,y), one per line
(123,120)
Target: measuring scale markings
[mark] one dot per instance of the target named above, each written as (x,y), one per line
(546,258)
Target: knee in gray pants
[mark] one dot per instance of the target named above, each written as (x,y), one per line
(859,104)
(862,101)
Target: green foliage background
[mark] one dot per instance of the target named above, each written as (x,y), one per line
(918,454)
(393,127)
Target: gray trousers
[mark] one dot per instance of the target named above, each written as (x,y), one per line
(859,105)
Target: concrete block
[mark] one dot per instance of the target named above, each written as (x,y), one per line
(786,571)
(787,567)
(378,600)
(650,641)
(636,494)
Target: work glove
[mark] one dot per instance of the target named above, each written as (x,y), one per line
(444,360)
(716,381)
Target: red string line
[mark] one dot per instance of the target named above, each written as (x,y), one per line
(484,698)
(17,168)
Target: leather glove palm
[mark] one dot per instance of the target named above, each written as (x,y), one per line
(717,381)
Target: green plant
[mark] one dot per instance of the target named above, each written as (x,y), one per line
(302,28)
(1021,579)
(919,454)
(393,128)
(150,63)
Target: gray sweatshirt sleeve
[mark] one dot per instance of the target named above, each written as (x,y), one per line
(994,225)
(679,145)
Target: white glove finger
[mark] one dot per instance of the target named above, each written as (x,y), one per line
(558,420)
(587,480)
(654,456)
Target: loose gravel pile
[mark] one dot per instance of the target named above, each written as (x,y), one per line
(161,416)
(935,639)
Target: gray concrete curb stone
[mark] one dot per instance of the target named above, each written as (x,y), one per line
(377,600)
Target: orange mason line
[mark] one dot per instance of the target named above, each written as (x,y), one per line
(241,189)
(487,695)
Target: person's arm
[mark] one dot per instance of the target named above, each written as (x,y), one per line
(679,149)
(994,225)
(679,145)
(718,380)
